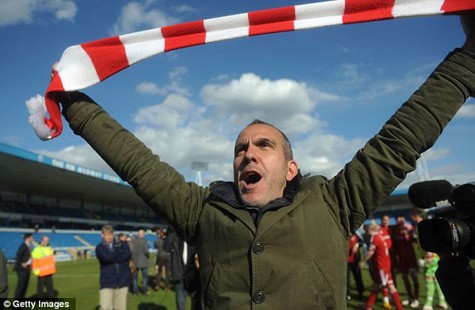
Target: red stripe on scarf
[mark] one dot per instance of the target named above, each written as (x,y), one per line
(54,122)
(456,5)
(270,21)
(364,10)
(183,35)
(107,55)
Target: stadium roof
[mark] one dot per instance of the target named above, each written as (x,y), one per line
(30,173)
(27,172)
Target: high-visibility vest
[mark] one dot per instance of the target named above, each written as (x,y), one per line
(42,261)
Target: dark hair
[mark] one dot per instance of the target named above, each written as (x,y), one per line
(289,155)
(418,212)
(27,235)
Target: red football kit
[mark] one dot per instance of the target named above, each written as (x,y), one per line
(380,261)
(403,239)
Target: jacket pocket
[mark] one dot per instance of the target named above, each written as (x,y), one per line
(223,290)
(323,294)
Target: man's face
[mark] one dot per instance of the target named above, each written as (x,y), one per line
(108,236)
(44,241)
(385,221)
(400,220)
(141,233)
(261,170)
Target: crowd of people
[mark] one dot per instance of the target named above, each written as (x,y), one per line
(124,259)
(391,252)
(36,258)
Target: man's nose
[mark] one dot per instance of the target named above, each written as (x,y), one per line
(250,154)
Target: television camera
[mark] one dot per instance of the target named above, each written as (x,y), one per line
(451,211)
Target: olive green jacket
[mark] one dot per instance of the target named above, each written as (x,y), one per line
(295,258)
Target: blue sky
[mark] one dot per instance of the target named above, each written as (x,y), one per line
(330,89)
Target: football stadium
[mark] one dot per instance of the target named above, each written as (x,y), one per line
(274,236)
(69,204)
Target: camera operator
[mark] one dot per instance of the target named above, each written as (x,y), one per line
(451,234)
(455,276)
(457,280)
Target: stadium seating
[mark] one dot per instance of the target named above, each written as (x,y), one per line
(64,241)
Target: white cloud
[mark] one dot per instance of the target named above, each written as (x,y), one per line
(62,9)
(177,72)
(435,154)
(325,154)
(170,114)
(136,16)
(184,8)
(174,87)
(82,155)
(285,102)
(365,82)
(14,12)
(352,73)
(251,91)
(150,88)
(466,111)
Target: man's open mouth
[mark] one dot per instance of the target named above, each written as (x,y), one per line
(250,177)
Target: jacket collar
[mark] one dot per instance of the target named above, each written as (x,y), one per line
(227,192)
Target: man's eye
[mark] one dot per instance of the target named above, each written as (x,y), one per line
(264,144)
(239,150)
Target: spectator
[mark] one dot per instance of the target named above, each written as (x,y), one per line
(22,266)
(43,266)
(3,276)
(140,257)
(404,237)
(162,264)
(178,249)
(380,261)
(115,277)
(271,227)
(122,237)
(354,258)
(430,263)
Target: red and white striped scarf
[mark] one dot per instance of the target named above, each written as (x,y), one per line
(87,64)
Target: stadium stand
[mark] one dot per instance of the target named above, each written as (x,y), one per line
(67,202)
(69,244)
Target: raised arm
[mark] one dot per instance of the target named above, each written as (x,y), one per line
(383,163)
(157,183)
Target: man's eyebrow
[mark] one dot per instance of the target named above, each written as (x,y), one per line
(265,140)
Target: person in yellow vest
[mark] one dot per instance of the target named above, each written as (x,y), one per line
(44,266)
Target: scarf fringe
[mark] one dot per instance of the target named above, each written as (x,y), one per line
(37,108)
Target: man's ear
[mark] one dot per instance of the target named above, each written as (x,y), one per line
(292,170)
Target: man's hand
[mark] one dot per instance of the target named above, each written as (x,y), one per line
(468,24)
